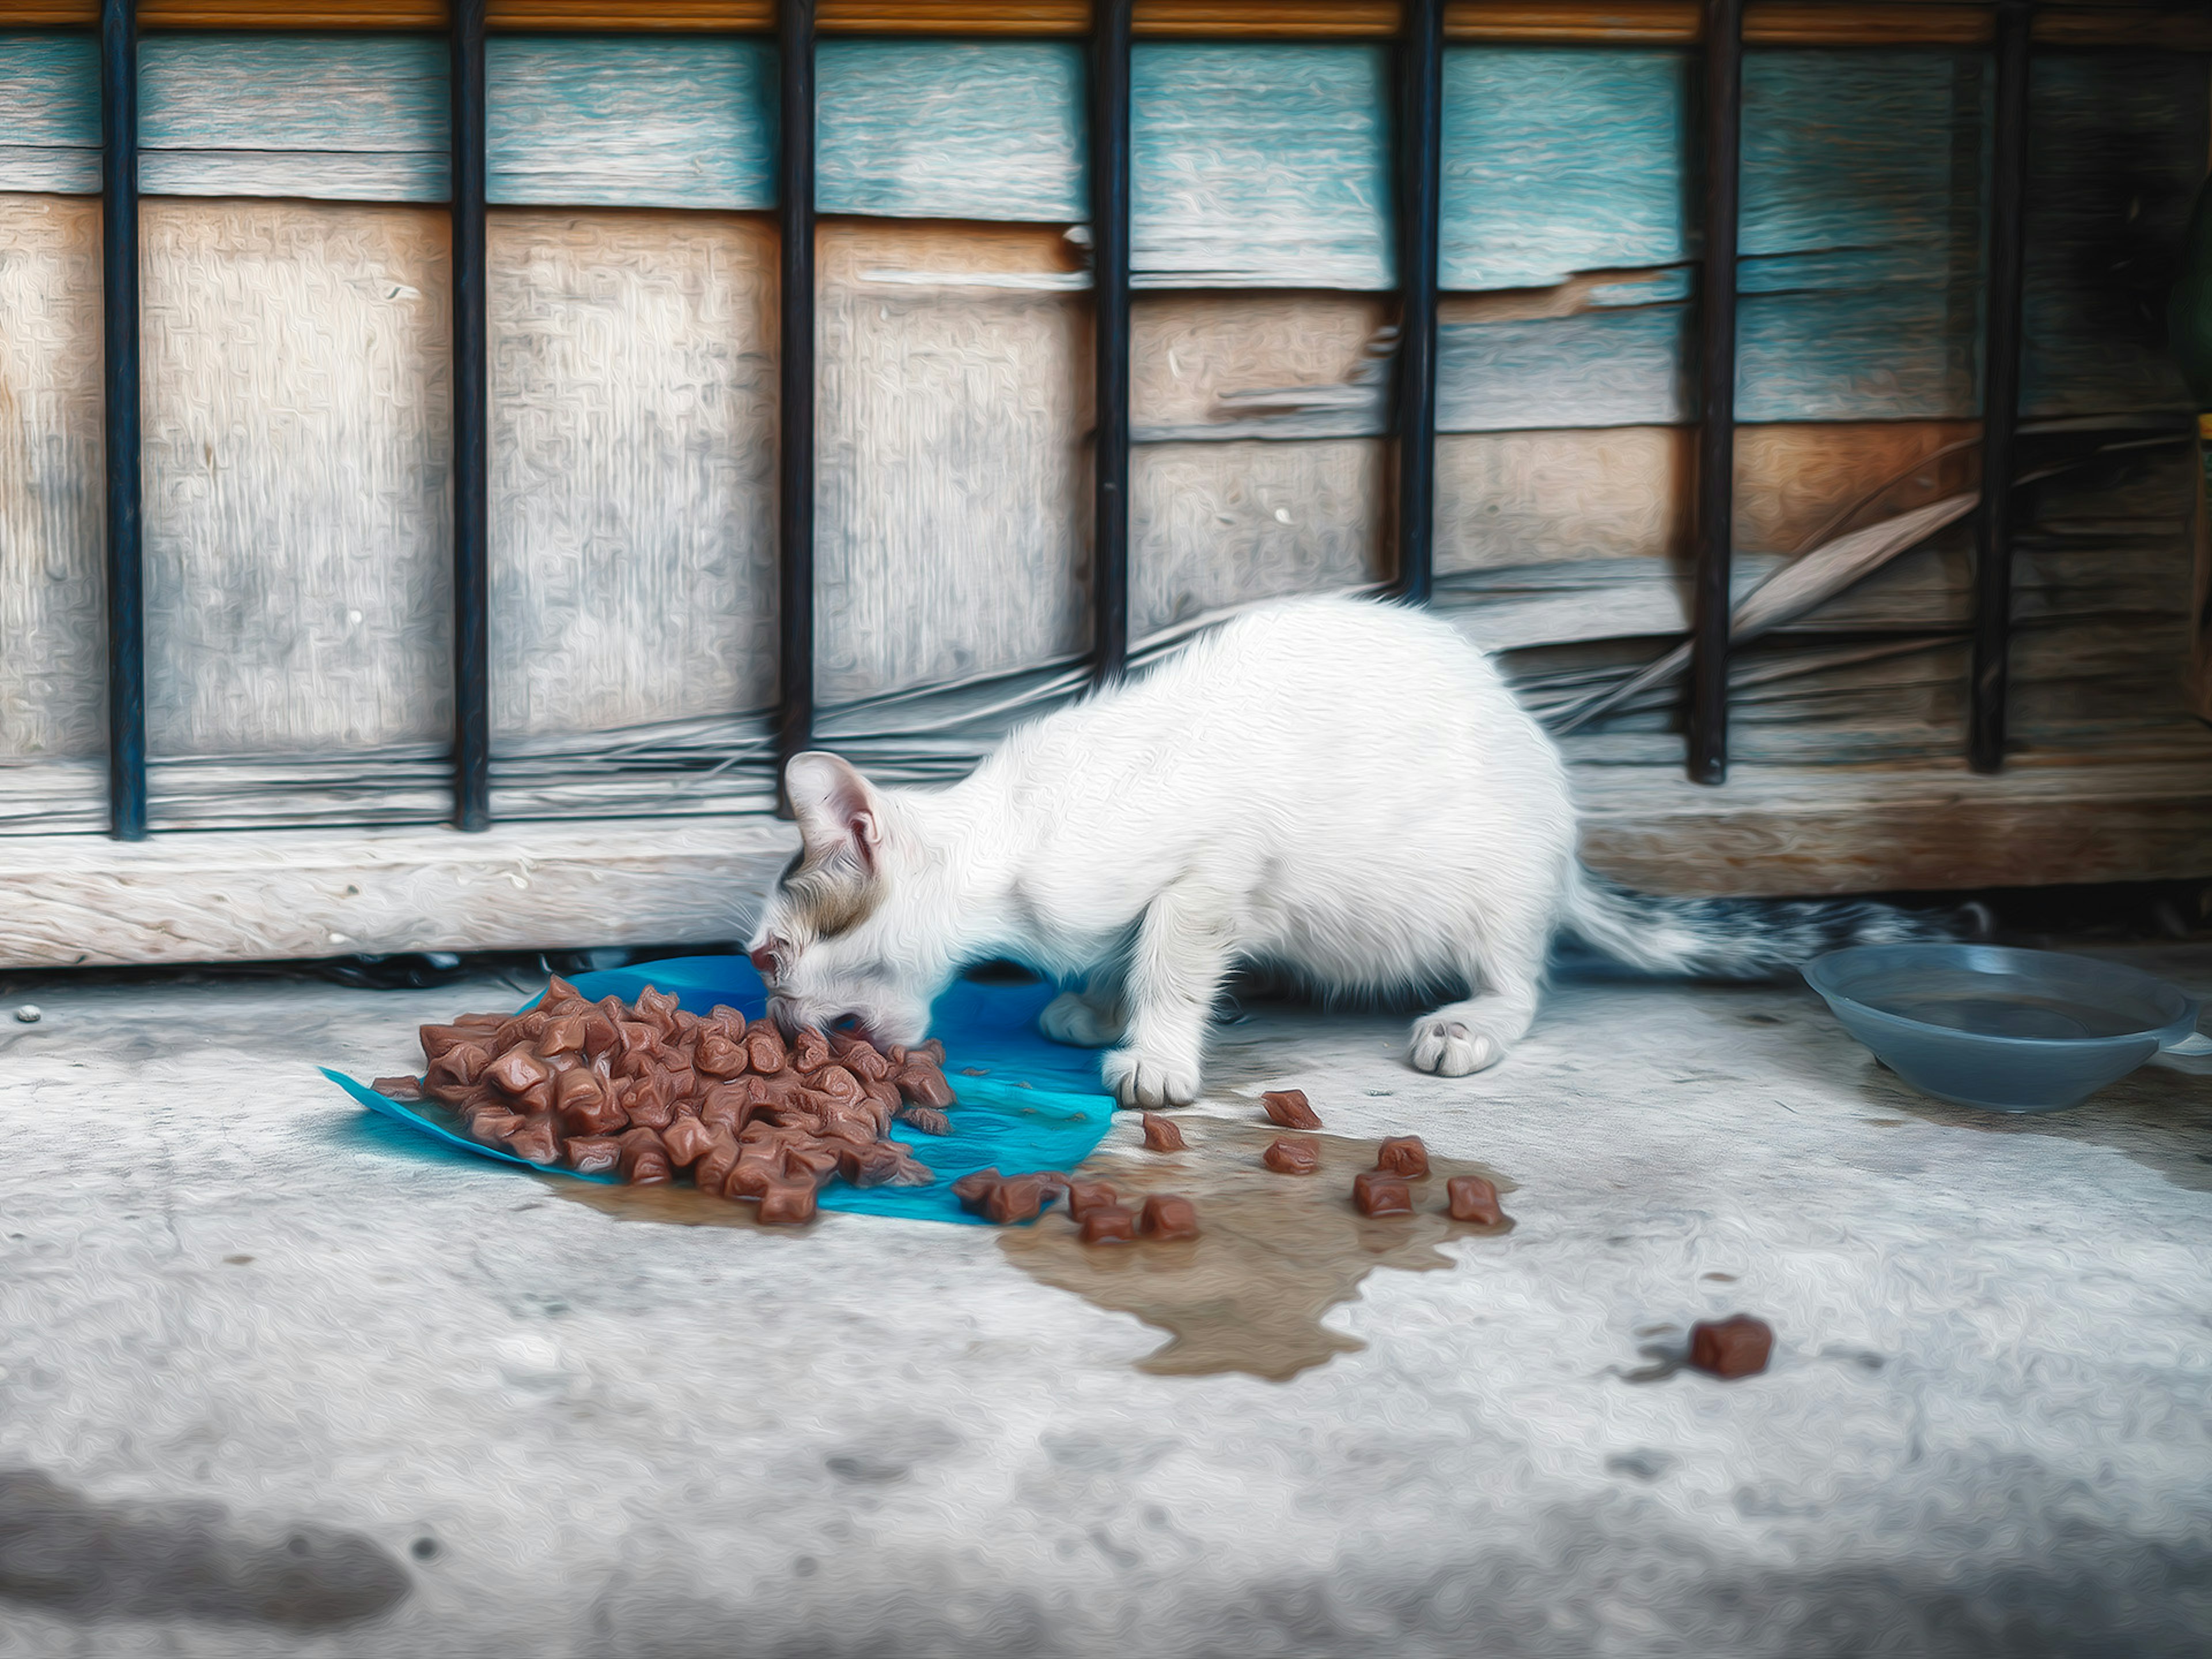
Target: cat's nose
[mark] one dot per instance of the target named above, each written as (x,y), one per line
(764,960)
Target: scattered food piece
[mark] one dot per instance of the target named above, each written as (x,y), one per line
(926,1119)
(1166,1216)
(406,1089)
(1288,1108)
(1017,1198)
(1472,1198)
(1378,1193)
(1736,1347)
(786,1203)
(1109,1224)
(1288,1154)
(1403,1156)
(594,1154)
(972,1189)
(1161,1134)
(1084,1196)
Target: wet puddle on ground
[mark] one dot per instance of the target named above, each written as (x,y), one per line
(1275,1253)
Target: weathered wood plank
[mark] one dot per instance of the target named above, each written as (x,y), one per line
(1259,166)
(295,457)
(633,396)
(951,505)
(668,122)
(77,901)
(52,610)
(1218,525)
(952,129)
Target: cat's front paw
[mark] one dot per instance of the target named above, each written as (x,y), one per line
(1450,1047)
(1071,1018)
(1147,1080)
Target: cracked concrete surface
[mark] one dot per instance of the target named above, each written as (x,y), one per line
(273,1382)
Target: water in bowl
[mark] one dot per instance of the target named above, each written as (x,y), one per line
(1943,1000)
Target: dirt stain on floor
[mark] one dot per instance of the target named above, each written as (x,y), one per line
(1277,1252)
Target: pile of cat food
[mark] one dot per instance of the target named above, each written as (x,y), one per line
(645,1090)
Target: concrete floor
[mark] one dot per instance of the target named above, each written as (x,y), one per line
(271,1384)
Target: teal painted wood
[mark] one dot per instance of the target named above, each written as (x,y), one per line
(1260,166)
(1561,161)
(349,118)
(50,114)
(579,120)
(952,129)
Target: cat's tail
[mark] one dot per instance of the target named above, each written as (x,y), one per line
(1742,938)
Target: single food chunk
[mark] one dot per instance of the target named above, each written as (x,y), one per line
(1017,1198)
(565,1035)
(755,1170)
(644,1159)
(1736,1347)
(648,1104)
(1168,1216)
(687,1140)
(729,1105)
(837,1083)
(717,1057)
(809,1051)
(712,1171)
(462,1062)
(1288,1108)
(1084,1196)
(1109,1224)
(587,1105)
(787,1203)
(927,1118)
(1472,1198)
(1161,1134)
(437,1039)
(810,1160)
(1287,1156)
(594,1154)
(517,1069)
(972,1189)
(1403,1156)
(764,1048)
(600,1036)
(1378,1193)
(873,1165)
(924,1083)
(398,1088)
(492,1125)
(536,1139)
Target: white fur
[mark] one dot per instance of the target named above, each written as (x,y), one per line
(1342,789)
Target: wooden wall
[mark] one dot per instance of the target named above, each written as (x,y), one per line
(297,424)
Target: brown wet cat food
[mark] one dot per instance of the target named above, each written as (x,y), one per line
(1377,1193)
(1290,1156)
(1732,1348)
(1166,1216)
(644,1089)
(1084,1196)
(1017,1198)
(787,1203)
(1109,1224)
(1288,1108)
(1161,1134)
(1404,1157)
(1472,1198)
(398,1088)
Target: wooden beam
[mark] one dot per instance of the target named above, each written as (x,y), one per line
(267,895)
(1778,830)
(2168,26)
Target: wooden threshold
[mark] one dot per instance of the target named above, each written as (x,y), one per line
(2168,25)
(258,896)
(253,895)
(1793,829)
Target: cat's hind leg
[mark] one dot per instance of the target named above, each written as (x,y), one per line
(1466,1037)
(1183,949)
(1093,1017)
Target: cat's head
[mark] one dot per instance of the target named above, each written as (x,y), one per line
(842,936)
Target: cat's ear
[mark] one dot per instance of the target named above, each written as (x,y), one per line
(841,817)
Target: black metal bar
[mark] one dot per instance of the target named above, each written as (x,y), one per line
(1420,172)
(471,432)
(795,473)
(2001,343)
(118,276)
(1709,641)
(1110,264)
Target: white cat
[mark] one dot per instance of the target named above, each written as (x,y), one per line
(1341,789)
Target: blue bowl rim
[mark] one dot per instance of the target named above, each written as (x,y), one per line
(1819,973)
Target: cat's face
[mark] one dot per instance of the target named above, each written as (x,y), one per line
(835,943)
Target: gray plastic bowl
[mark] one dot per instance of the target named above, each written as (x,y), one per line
(2007,1030)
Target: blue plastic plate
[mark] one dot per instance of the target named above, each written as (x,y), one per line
(1036,1106)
